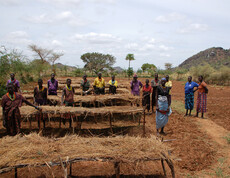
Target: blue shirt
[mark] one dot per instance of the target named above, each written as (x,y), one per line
(189,87)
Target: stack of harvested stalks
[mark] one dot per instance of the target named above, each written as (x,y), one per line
(121,99)
(77,85)
(28,111)
(79,91)
(34,150)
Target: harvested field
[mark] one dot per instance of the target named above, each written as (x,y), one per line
(79,91)
(38,151)
(57,110)
(201,144)
(104,100)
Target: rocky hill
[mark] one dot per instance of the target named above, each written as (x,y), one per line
(215,56)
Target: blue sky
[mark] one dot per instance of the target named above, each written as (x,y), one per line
(155,32)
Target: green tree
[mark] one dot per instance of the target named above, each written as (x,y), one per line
(130,57)
(139,71)
(97,62)
(180,72)
(148,67)
(168,66)
(130,71)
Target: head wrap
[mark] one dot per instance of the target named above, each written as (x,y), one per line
(163,79)
(135,75)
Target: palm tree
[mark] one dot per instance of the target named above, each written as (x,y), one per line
(130,57)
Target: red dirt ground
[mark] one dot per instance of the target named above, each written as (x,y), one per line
(200,146)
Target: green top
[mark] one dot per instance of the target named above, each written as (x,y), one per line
(85,85)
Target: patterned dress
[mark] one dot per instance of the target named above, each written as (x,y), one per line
(12,113)
(201,105)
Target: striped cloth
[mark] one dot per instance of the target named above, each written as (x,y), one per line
(201,102)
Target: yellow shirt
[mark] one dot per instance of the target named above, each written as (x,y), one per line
(115,83)
(99,83)
(169,84)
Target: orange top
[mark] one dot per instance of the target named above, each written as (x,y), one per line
(201,87)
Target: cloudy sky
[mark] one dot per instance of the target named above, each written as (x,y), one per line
(154,31)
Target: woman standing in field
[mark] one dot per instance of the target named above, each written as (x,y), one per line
(10,108)
(40,94)
(154,83)
(202,97)
(135,85)
(52,85)
(14,82)
(163,109)
(68,94)
(147,89)
(189,95)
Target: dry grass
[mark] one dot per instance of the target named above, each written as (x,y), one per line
(34,149)
(91,99)
(27,111)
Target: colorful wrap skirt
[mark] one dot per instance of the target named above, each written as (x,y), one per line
(189,101)
(201,104)
(162,116)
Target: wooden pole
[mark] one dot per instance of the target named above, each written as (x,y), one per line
(117,169)
(44,121)
(144,124)
(110,123)
(39,121)
(70,169)
(163,166)
(15,172)
(30,120)
(60,122)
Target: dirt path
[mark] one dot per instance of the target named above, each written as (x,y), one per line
(217,134)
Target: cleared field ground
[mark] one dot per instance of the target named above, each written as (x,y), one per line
(201,144)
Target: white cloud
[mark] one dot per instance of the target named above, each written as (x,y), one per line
(131,46)
(17,37)
(56,43)
(9,2)
(194,28)
(63,2)
(64,17)
(43,18)
(164,55)
(104,1)
(170,18)
(148,47)
(96,38)
(165,48)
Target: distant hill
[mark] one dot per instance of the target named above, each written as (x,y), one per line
(62,66)
(215,56)
(118,69)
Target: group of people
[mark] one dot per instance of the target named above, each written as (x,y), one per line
(160,90)
(161,97)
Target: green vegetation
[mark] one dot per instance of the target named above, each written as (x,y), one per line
(178,106)
(129,57)
(97,62)
(149,68)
